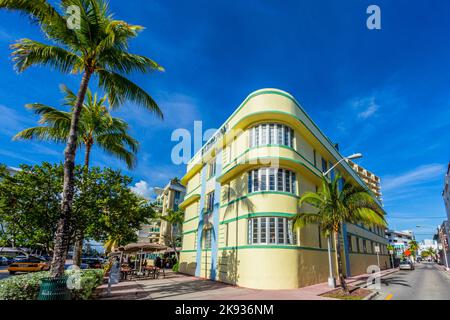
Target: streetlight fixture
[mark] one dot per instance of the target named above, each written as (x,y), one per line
(331,279)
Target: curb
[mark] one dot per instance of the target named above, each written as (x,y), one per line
(370,296)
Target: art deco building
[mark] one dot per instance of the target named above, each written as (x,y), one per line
(243,188)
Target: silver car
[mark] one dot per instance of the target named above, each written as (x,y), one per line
(406,265)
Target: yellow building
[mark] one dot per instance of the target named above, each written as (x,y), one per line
(242,191)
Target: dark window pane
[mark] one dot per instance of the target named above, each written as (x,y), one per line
(272,179)
(263,179)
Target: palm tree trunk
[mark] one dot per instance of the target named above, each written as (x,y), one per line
(79,234)
(337,241)
(62,230)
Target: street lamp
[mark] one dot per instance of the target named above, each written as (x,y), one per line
(331,279)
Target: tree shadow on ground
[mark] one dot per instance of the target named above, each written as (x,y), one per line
(395,281)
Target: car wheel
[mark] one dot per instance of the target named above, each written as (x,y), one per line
(12,273)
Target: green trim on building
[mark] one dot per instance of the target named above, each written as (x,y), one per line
(259,214)
(258,193)
(190,231)
(192,191)
(274,246)
(189,220)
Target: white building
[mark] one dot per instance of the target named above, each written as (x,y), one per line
(427,244)
(399,240)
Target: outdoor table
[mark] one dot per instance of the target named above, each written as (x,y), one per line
(125,271)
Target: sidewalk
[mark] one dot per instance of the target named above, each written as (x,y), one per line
(182,287)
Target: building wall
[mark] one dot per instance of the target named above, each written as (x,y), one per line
(232,258)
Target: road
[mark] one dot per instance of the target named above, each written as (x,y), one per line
(426,282)
(4,272)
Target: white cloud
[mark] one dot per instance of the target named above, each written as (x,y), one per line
(368,105)
(419,175)
(142,188)
(15,121)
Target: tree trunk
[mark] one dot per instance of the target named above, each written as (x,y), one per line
(79,234)
(62,230)
(337,241)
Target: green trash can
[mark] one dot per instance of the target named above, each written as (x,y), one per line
(54,289)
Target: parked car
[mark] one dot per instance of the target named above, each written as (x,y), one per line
(68,266)
(406,265)
(4,261)
(28,264)
(93,263)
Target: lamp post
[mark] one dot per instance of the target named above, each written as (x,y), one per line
(331,279)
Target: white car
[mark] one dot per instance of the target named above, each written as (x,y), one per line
(406,265)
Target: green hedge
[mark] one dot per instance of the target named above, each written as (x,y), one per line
(176,267)
(26,286)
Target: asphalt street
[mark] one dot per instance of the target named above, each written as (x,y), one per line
(426,282)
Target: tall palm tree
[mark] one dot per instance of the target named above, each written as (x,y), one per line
(175,220)
(98,49)
(96,126)
(332,207)
(413,247)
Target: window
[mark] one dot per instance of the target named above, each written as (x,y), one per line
(357,245)
(207,239)
(365,246)
(211,169)
(314,158)
(271,133)
(271,179)
(210,202)
(324,165)
(270,230)
(349,243)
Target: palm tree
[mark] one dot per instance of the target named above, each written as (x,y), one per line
(332,207)
(175,220)
(413,246)
(96,126)
(97,48)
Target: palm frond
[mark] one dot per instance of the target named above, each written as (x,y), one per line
(27,53)
(120,89)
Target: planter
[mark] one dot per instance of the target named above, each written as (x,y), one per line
(54,289)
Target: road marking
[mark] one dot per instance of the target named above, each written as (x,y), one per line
(389,297)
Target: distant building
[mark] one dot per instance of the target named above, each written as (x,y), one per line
(427,244)
(400,240)
(168,198)
(370,179)
(443,242)
(446,191)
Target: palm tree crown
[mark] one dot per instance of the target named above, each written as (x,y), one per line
(96,126)
(100,46)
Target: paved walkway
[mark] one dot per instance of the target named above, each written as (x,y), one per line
(182,287)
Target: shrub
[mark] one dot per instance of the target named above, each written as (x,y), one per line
(176,267)
(27,286)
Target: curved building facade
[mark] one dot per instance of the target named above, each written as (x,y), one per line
(242,192)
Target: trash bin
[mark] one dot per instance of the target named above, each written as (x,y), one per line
(54,289)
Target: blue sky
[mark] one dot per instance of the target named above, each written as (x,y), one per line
(384,93)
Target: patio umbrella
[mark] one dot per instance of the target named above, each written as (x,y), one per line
(142,247)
